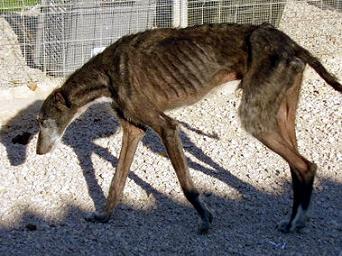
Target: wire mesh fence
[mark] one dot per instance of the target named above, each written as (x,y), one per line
(58,36)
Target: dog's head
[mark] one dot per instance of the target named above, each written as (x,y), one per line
(53,118)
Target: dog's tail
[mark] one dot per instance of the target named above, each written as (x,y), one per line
(314,62)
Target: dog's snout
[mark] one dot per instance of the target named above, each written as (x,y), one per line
(43,149)
(39,151)
(44,144)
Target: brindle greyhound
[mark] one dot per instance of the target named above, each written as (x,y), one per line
(147,73)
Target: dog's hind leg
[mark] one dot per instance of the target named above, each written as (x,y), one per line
(167,129)
(130,139)
(280,136)
(301,182)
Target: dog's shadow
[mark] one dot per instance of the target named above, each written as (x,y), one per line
(99,122)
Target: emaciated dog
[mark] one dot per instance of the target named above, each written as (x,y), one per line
(147,73)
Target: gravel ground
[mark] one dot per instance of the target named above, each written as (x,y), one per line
(44,198)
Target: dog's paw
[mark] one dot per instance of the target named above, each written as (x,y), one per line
(284,226)
(97,217)
(205,224)
(204,228)
(289,227)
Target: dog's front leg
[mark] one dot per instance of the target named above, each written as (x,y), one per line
(168,131)
(130,139)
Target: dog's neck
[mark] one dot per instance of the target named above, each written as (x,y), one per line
(83,95)
(86,88)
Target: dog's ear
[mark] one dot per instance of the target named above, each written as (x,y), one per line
(60,98)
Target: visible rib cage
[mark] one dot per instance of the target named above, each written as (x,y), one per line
(184,75)
(175,69)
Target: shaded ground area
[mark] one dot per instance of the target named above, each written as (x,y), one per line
(243,227)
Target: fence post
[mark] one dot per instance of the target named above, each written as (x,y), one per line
(180,13)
